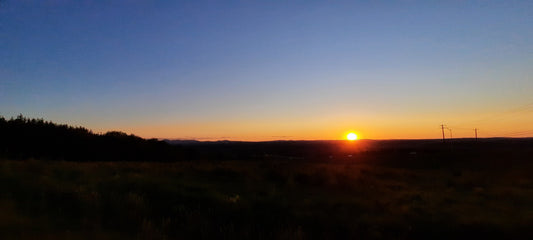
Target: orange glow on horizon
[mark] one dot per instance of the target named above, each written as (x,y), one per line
(331,127)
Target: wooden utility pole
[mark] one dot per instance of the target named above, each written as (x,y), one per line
(442,128)
(475,131)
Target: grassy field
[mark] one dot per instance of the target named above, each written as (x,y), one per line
(261,200)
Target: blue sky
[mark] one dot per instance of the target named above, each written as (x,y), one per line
(252,70)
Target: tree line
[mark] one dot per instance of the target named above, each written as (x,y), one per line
(24,138)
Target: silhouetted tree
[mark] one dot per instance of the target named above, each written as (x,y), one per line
(22,137)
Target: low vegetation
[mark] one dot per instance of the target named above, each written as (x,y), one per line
(119,186)
(259,200)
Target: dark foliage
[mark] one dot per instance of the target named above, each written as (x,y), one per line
(397,189)
(22,138)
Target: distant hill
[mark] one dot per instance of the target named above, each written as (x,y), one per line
(23,138)
(181,142)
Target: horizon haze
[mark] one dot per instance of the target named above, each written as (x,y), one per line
(260,71)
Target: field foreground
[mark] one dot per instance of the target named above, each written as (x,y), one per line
(278,199)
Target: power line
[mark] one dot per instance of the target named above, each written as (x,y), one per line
(504,115)
(449,129)
(519,133)
(442,128)
(501,115)
(509,134)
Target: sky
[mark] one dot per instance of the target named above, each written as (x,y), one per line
(271,70)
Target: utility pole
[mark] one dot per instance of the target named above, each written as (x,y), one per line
(475,130)
(442,128)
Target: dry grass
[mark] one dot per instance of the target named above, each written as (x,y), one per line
(262,200)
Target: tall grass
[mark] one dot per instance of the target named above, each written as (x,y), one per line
(259,200)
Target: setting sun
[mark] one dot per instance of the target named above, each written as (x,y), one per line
(351,136)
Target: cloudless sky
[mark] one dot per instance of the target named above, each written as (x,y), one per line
(264,70)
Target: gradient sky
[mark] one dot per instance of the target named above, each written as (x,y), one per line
(264,70)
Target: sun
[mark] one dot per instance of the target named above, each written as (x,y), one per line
(351,136)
